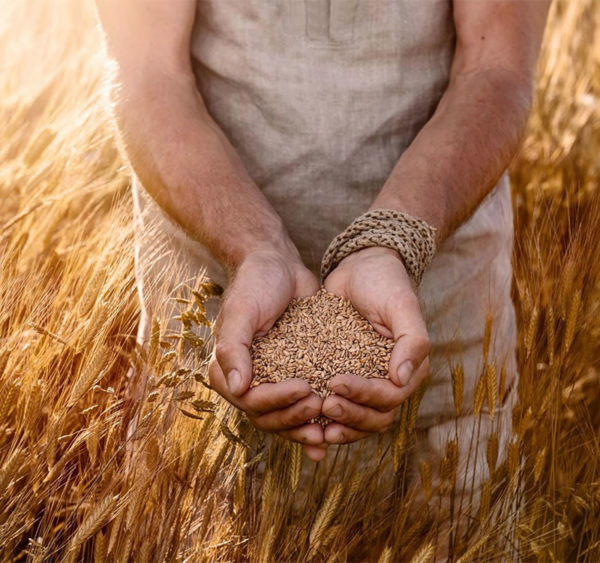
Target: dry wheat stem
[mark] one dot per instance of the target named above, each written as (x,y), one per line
(425,554)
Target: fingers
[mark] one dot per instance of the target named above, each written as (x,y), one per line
(411,336)
(307,434)
(234,330)
(349,407)
(263,398)
(291,417)
(316,453)
(306,284)
(336,433)
(417,378)
(247,311)
(268,397)
(358,417)
(335,282)
(379,394)
(218,382)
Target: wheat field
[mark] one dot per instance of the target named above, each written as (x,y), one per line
(89,472)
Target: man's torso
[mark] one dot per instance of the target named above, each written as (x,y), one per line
(321,97)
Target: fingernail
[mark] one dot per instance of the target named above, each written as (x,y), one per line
(405,371)
(335,411)
(234,381)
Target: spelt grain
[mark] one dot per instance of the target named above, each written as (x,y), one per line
(317,338)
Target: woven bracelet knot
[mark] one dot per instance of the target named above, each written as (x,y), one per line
(413,238)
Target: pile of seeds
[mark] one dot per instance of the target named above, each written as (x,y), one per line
(317,338)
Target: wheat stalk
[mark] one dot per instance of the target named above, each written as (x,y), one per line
(39,144)
(487,337)
(502,384)
(239,490)
(513,458)
(467,556)
(92,442)
(354,484)
(492,388)
(531,330)
(399,444)
(100,548)
(458,387)
(52,433)
(97,324)
(426,483)
(386,555)
(207,514)
(115,530)
(135,502)
(538,466)
(4,357)
(424,554)
(67,456)
(414,404)
(91,374)
(452,453)
(145,551)
(9,469)
(325,515)
(550,332)
(485,502)
(266,548)
(295,466)
(492,452)
(479,395)
(572,315)
(96,518)
(92,292)
(125,553)
(154,341)
(7,401)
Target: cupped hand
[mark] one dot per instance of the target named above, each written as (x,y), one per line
(262,287)
(377,284)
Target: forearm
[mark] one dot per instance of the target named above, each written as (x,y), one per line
(189,167)
(462,151)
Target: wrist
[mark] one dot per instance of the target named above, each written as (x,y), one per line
(279,250)
(399,200)
(273,241)
(412,238)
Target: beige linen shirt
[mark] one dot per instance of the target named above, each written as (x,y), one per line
(320,98)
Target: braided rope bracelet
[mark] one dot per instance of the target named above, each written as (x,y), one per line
(413,238)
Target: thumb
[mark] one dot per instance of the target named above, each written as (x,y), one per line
(234,330)
(410,334)
(306,283)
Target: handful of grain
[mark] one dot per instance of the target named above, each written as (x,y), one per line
(317,338)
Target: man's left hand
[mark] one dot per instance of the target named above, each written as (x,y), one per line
(377,284)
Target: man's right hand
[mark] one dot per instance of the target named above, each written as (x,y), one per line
(262,287)
(190,168)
